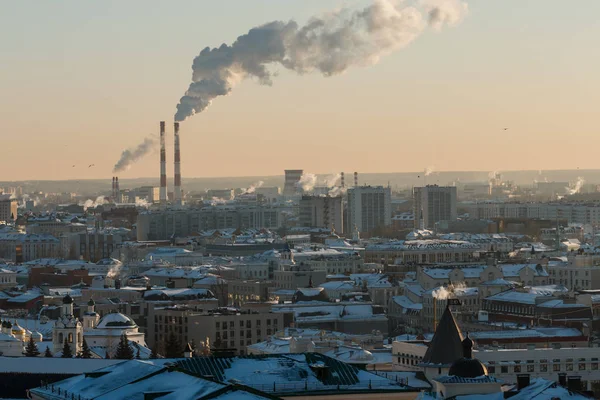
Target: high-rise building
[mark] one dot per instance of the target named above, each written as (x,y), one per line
(292,177)
(322,212)
(369,207)
(433,204)
(8,208)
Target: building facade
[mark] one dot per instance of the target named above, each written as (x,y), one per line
(433,204)
(369,207)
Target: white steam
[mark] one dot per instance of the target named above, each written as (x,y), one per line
(307,182)
(328,44)
(332,180)
(130,156)
(253,187)
(429,170)
(94,203)
(577,186)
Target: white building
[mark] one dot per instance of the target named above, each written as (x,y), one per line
(433,204)
(369,207)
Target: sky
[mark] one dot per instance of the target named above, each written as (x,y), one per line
(81,81)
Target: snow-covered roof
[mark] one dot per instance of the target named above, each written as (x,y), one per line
(406,303)
(423,245)
(513,270)
(116,321)
(513,296)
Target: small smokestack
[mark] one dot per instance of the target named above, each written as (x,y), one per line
(163,165)
(356,179)
(117,190)
(342,182)
(113,189)
(177,189)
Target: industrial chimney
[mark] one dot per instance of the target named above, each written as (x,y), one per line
(342,182)
(112,195)
(163,165)
(117,197)
(356,179)
(177,197)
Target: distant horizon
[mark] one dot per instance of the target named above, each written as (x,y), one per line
(169,177)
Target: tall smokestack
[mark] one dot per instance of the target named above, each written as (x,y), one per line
(342,182)
(177,189)
(356,179)
(117,190)
(112,195)
(163,165)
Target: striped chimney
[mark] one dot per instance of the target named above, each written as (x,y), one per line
(163,165)
(177,189)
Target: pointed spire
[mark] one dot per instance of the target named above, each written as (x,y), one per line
(446,344)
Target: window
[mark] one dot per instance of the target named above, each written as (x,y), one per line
(517,368)
(492,370)
(594,366)
(504,369)
(530,368)
(543,367)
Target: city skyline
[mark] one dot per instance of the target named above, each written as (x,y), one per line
(83,86)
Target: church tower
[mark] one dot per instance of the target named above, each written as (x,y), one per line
(90,317)
(67,328)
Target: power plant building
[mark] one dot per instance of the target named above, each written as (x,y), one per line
(292,177)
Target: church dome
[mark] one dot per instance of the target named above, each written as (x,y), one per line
(16,329)
(468,368)
(116,321)
(67,299)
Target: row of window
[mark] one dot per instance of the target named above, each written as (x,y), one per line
(544,366)
(224,325)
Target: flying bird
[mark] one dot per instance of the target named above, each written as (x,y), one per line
(91,165)
(73,166)
(505,129)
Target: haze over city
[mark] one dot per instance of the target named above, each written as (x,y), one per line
(80,87)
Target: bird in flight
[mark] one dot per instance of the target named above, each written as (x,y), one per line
(73,166)
(505,129)
(91,165)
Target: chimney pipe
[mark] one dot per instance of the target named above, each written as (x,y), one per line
(177,188)
(117,190)
(342,182)
(113,189)
(356,179)
(163,165)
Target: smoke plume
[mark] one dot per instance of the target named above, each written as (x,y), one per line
(253,187)
(129,156)
(332,180)
(329,44)
(429,170)
(577,187)
(307,182)
(89,203)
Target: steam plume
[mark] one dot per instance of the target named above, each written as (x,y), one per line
(329,44)
(429,170)
(129,156)
(253,187)
(577,187)
(307,182)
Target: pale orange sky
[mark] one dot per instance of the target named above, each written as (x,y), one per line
(81,86)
